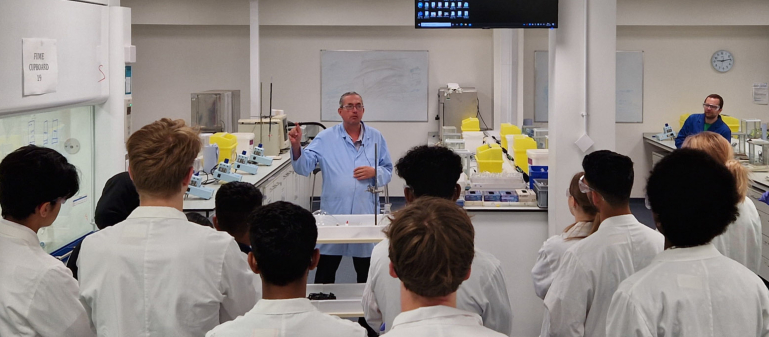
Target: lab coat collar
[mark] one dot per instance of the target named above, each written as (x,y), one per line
(17,231)
(364,136)
(706,251)
(282,307)
(620,220)
(157,212)
(439,311)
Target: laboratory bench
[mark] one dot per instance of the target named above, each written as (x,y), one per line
(277,182)
(759,184)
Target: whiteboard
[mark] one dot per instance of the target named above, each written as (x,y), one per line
(393,84)
(629,86)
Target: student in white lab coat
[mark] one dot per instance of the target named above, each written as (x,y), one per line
(39,297)
(690,289)
(585,223)
(742,240)
(434,171)
(590,271)
(283,237)
(431,253)
(234,202)
(157,274)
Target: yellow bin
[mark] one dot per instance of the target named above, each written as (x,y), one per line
(471,124)
(520,145)
(227,143)
(507,129)
(489,158)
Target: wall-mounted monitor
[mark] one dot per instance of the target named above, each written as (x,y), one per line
(486,14)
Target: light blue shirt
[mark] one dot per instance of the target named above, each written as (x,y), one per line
(335,152)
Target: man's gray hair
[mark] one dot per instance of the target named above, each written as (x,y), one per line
(349,93)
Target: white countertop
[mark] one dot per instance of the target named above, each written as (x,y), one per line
(193,203)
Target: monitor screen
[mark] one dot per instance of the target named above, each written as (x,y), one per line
(486,14)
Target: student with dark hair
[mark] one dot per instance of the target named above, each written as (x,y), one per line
(199,219)
(156,273)
(432,171)
(690,289)
(549,256)
(431,253)
(39,296)
(234,202)
(283,252)
(118,199)
(578,300)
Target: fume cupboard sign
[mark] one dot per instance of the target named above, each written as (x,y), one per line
(40,66)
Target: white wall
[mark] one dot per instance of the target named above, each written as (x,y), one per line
(174,61)
(677,77)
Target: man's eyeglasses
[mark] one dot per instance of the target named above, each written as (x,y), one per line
(712,107)
(349,107)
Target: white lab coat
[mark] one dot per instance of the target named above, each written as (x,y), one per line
(156,274)
(294,317)
(484,293)
(742,240)
(441,321)
(550,254)
(39,297)
(693,292)
(578,301)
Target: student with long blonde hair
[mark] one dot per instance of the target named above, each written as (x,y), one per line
(742,240)
(585,223)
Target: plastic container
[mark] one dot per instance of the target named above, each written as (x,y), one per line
(522,143)
(454,144)
(228,144)
(471,124)
(473,139)
(540,189)
(489,159)
(506,129)
(536,172)
(245,142)
(537,157)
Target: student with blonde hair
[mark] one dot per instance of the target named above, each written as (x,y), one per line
(157,274)
(586,222)
(742,240)
(431,250)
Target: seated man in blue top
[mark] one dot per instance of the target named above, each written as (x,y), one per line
(346,157)
(710,120)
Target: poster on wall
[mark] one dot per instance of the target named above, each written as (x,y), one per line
(39,66)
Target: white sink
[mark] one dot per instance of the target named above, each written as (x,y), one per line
(356,228)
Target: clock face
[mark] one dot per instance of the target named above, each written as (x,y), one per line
(722,61)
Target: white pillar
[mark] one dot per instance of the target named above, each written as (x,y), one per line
(567,94)
(508,76)
(256,102)
(109,119)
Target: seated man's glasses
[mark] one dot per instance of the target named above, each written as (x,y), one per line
(349,107)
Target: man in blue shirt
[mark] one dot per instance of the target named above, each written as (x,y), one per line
(710,120)
(346,157)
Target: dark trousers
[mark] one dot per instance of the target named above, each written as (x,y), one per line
(326,273)
(328,264)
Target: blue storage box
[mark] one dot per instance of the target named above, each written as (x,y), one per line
(536,172)
(473,196)
(491,196)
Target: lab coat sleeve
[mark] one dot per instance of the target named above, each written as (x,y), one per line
(385,170)
(566,302)
(542,274)
(309,157)
(625,318)
(237,285)
(683,132)
(56,309)
(370,307)
(498,316)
